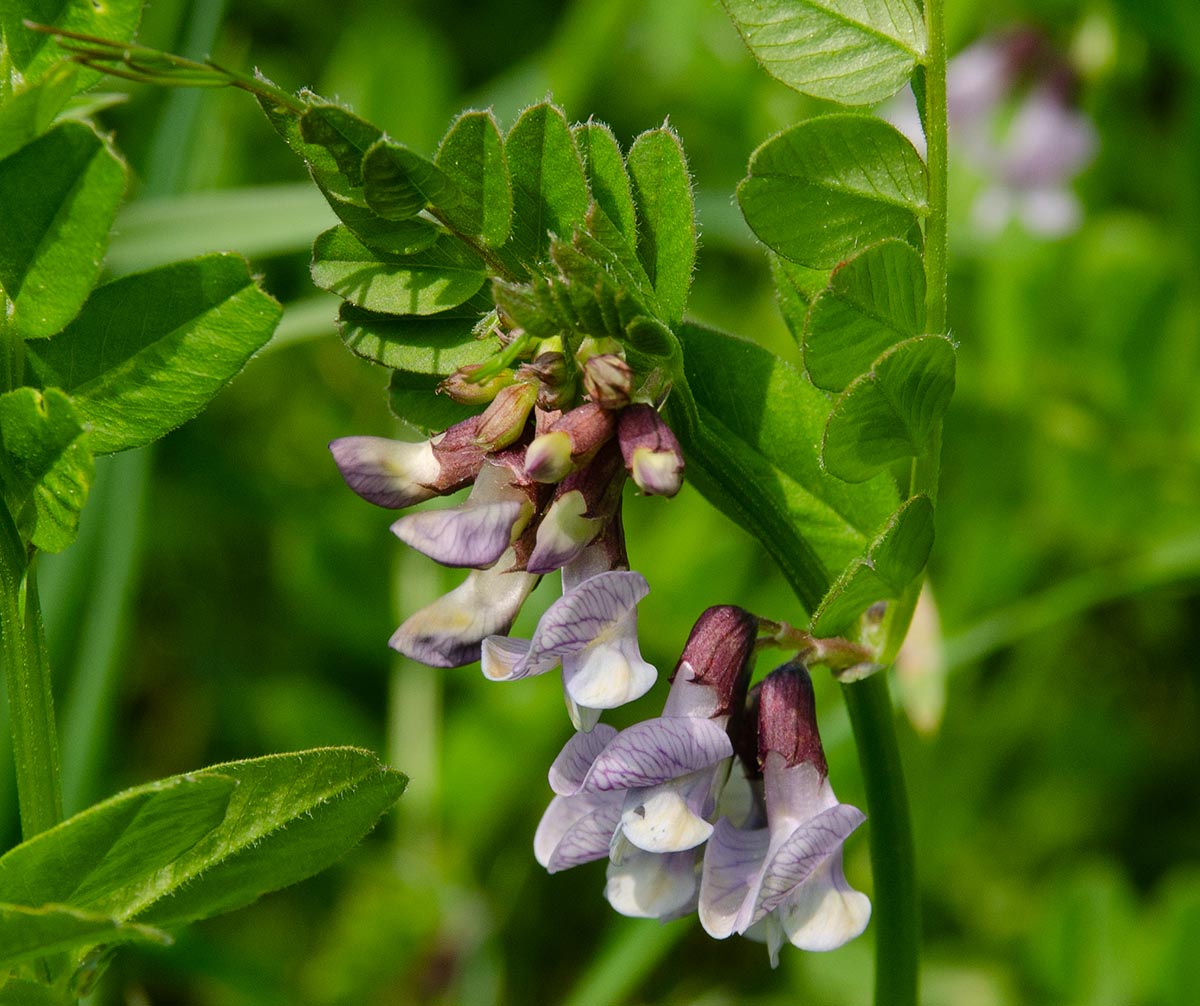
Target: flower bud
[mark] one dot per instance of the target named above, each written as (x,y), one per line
(570,441)
(718,651)
(583,504)
(504,420)
(651,452)
(556,388)
(787,722)
(464,389)
(608,381)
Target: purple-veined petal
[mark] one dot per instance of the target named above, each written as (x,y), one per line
(470,535)
(732,860)
(793,796)
(649,886)
(569,768)
(825,911)
(575,829)
(448,632)
(563,533)
(800,857)
(610,671)
(388,473)
(668,817)
(656,751)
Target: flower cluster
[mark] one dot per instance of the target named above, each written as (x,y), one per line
(546,461)
(722,804)
(646,799)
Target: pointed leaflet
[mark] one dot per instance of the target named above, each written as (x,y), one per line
(199,844)
(550,192)
(873,301)
(891,412)
(425,282)
(58,198)
(819,191)
(662,191)
(896,558)
(149,351)
(753,457)
(32,54)
(472,156)
(428,344)
(44,461)
(29,933)
(606,176)
(856,52)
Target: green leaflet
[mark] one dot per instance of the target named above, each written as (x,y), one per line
(429,281)
(767,420)
(550,191)
(894,560)
(873,301)
(58,197)
(856,52)
(199,844)
(30,112)
(33,54)
(45,465)
(819,191)
(149,351)
(431,344)
(607,178)
(662,192)
(472,156)
(398,182)
(342,136)
(29,933)
(893,411)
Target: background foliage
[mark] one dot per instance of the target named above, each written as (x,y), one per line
(228,597)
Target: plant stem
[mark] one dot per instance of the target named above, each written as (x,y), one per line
(893,860)
(27,678)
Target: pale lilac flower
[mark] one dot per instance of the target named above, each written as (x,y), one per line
(448,632)
(785,880)
(395,473)
(476,532)
(569,442)
(584,503)
(592,632)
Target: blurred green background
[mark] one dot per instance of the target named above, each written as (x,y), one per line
(228,597)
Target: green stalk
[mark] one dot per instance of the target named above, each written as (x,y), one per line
(893,860)
(27,679)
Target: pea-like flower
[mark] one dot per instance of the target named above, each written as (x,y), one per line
(785,880)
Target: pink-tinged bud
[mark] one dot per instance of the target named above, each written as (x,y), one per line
(787,721)
(464,389)
(395,474)
(570,441)
(503,422)
(651,452)
(718,651)
(583,504)
(608,381)
(556,387)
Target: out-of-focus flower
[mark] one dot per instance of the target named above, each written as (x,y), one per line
(785,880)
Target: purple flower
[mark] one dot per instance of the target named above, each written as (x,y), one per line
(395,473)
(592,632)
(476,532)
(785,880)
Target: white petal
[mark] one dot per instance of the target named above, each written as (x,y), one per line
(608,674)
(659,819)
(825,911)
(648,886)
(794,796)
